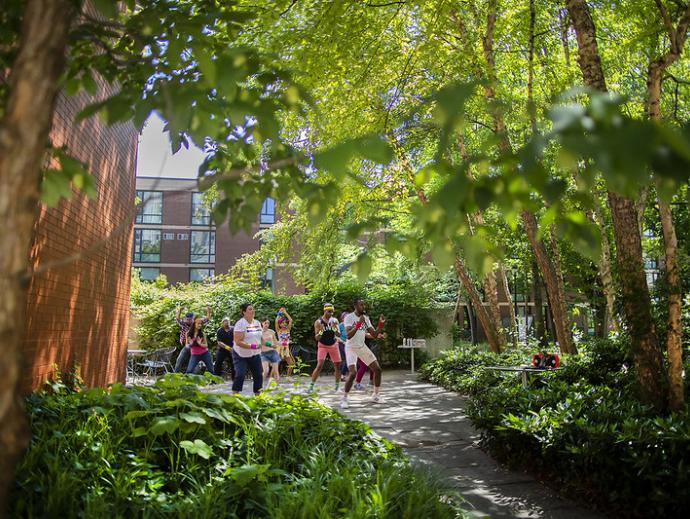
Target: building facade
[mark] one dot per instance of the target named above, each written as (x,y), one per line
(174,235)
(81,255)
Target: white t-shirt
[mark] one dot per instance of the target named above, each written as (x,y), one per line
(357,340)
(252,334)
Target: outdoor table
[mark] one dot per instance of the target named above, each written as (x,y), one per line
(412,344)
(523,370)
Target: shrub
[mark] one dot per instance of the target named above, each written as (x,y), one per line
(582,425)
(170,450)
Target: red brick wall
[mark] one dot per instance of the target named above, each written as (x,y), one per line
(78,312)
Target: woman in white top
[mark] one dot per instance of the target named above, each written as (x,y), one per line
(246,352)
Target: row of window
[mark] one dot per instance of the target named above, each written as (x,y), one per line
(150,209)
(147,246)
(195,274)
(199,274)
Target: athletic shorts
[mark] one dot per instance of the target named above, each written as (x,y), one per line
(270,356)
(332,350)
(352,353)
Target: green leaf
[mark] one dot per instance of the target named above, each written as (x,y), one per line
(198,447)
(193,417)
(164,425)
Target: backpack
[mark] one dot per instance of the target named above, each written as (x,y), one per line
(328,337)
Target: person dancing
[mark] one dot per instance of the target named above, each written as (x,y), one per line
(357,324)
(326,334)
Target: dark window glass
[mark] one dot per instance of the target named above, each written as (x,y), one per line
(200,274)
(149,273)
(150,208)
(202,247)
(268,212)
(147,245)
(200,212)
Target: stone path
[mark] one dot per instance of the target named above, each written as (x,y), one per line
(430,424)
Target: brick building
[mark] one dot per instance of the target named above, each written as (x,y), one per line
(174,235)
(78,297)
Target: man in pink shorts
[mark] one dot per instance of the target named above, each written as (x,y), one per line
(326,334)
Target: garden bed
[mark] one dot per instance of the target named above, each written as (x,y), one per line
(170,450)
(581,427)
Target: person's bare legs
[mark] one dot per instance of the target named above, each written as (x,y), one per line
(274,371)
(290,364)
(336,365)
(265,366)
(376,370)
(315,374)
(351,374)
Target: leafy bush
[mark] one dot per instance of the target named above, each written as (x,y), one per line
(406,307)
(170,450)
(581,425)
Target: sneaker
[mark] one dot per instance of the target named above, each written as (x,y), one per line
(337,387)
(344,404)
(376,398)
(359,387)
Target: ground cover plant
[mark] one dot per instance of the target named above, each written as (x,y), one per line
(581,426)
(171,450)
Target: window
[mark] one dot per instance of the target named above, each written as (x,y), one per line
(200,212)
(147,245)
(169,236)
(149,273)
(202,247)
(268,212)
(200,274)
(183,236)
(150,208)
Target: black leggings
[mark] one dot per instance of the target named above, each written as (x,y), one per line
(241,365)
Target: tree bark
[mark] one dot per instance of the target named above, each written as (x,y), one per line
(511,308)
(644,343)
(24,131)
(540,327)
(605,271)
(655,73)
(479,309)
(491,292)
(557,301)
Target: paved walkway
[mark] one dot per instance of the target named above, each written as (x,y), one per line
(430,424)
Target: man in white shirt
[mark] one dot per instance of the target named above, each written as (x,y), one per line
(357,324)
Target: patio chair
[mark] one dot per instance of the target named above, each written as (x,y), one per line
(158,359)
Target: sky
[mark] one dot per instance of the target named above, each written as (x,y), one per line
(155,159)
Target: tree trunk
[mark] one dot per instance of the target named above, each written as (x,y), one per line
(24,131)
(605,272)
(509,298)
(484,317)
(553,287)
(674,334)
(540,327)
(491,292)
(650,372)
(674,346)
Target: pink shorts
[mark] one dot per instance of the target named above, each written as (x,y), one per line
(332,350)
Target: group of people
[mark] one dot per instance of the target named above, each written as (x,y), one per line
(254,346)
